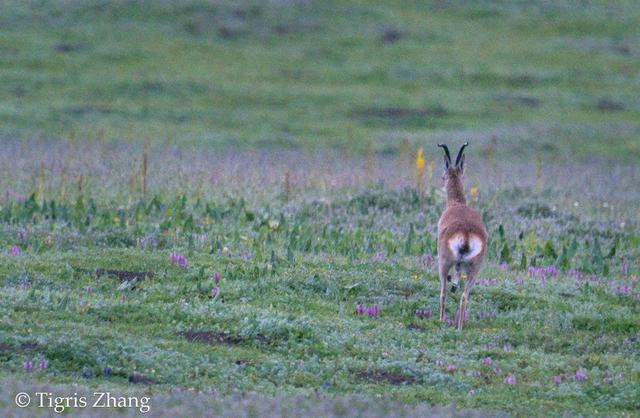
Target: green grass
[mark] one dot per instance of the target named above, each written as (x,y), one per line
(202,73)
(279,139)
(284,320)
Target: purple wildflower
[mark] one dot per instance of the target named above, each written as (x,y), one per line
(216,277)
(621,290)
(504,266)
(373,310)
(107,371)
(624,268)
(580,376)
(507,348)
(27,365)
(182,262)
(380,256)
(607,379)
(543,273)
(20,197)
(557,379)
(42,365)
(451,368)
(24,285)
(497,370)
(14,251)
(510,380)
(487,361)
(575,274)
(173,257)
(360,309)
(214,292)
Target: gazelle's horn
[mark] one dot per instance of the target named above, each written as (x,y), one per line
(460,152)
(446,151)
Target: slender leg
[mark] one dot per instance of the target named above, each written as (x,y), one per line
(443,268)
(463,307)
(473,271)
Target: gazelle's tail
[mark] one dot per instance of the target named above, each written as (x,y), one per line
(465,246)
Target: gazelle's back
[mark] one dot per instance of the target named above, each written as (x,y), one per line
(461,218)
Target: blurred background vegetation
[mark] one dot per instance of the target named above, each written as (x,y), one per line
(559,78)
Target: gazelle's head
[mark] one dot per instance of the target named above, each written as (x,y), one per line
(453,174)
(453,170)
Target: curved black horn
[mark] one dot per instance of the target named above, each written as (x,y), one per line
(446,151)
(460,152)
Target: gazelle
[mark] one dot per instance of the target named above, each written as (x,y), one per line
(462,236)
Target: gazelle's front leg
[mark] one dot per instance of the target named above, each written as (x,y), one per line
(443,268)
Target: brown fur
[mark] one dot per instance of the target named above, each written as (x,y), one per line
(463,226)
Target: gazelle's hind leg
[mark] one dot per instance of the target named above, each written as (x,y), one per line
(443,268)
(471,273)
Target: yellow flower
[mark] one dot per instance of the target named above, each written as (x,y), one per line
(420,169)
(420,161)
(474,193)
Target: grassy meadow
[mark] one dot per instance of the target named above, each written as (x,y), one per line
(199,198)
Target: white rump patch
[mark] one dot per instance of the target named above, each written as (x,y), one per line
(458,241)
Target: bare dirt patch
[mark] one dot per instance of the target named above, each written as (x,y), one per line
(124,275)
(210,337)
(399,115)
(67,47)
(513,101)
(391,35)
(28,346)
(414,327)
(139,378)
(85,110)
(608,105)
(383,376)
